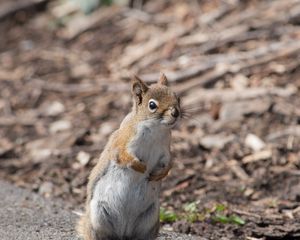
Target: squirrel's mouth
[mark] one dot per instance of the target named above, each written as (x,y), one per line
(170,122)
(173,122)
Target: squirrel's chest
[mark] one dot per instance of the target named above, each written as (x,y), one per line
(151,143)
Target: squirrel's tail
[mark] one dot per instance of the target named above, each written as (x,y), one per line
(84,228)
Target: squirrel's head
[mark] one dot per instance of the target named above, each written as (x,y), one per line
(156,101)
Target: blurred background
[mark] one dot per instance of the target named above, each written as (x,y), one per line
(64,87)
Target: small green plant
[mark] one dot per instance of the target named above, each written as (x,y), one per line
(191,211)
(220,207)
(191,207)
(219,215)
(231,219)
(167,216)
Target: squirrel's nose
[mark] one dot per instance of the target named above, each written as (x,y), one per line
(175,112)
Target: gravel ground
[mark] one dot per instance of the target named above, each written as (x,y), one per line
(27,216)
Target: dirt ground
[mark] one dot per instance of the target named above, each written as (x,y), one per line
(64,87)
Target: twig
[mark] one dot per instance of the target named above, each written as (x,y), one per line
(9,8)
(207,79)
(81,24)
(280,49)
(259,11)
(226,95)
(10,121)
(291,172)
(143,16)
(205,19)
(211,17)
(273,49)
(249,214)
(292,130)
(82,88)
(135,53)
(13,75)
(237,170)
(239,61)
(262,155)
(179,76)
(211,39)
(227,36)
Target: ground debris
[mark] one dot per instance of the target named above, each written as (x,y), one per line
(254,142)
(64,88)
(216,141)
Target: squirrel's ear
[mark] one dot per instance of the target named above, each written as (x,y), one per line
(138,88)
(163,79)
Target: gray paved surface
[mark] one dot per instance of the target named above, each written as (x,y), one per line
(27,216)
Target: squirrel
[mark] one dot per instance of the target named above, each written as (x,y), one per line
(124,186)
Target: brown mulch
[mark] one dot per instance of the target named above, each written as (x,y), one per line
(64,87)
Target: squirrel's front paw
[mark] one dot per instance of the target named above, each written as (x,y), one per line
(138,166)
(159,174)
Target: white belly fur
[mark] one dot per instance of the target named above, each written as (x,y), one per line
(127,193)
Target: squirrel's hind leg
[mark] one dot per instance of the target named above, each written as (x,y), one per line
(86,231)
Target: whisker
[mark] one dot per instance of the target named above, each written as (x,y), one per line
(190,105)
(194,119)
(192,108)
(189,116)
(190,112)
(186,114)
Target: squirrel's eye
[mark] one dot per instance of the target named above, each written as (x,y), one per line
(152,105)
